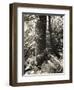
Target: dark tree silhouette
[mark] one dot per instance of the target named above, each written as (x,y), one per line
(40,39)
(40,35)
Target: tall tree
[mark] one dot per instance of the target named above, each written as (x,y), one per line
(41,35)
(55,29)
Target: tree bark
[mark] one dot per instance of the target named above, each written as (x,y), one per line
(52,40)
(41,35)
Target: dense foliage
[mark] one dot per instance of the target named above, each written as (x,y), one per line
(43,44)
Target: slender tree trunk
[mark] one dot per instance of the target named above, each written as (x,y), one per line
(50,30)
(52,40)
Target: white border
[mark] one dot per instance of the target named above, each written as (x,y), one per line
(50,77)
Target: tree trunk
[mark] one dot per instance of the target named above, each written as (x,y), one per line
(41,35)
(52,40)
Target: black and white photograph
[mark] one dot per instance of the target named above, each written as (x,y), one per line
(43,44)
